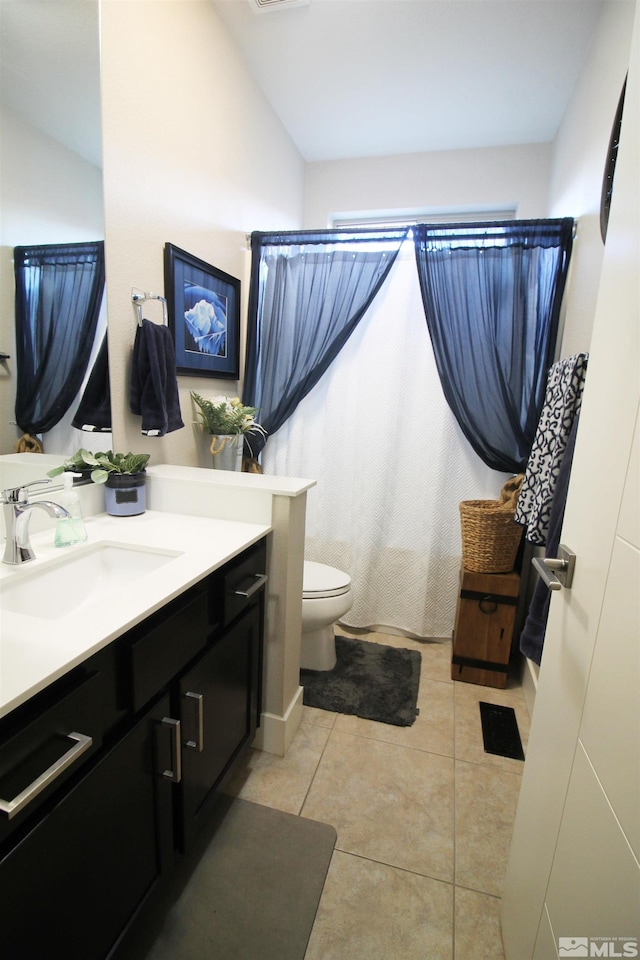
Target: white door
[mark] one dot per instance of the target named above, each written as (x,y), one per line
(573,868)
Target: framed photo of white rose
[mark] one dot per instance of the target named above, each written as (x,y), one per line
(204,316)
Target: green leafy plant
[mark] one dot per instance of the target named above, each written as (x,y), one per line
(74,464)
(226,416)
(102,464)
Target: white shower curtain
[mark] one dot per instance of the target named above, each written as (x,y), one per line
(392,466)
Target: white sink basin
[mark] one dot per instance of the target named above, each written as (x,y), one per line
(63,587)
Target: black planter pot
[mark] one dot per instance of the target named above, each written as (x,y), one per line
(125,494)
(81,476)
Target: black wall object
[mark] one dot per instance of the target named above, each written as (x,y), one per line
(610,166)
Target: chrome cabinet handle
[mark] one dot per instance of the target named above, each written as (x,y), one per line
(260,581)
(556,572)
(174,773)
(198,743)
(11,807)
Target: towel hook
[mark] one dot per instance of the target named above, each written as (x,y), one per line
(139,297)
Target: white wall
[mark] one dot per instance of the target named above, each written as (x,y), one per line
(48,194)
(556,179)
(193,156)
(579,155)
(488,178)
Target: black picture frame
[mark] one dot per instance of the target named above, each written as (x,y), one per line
(204,315)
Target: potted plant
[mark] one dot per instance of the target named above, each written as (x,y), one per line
(124,477)
(227,420)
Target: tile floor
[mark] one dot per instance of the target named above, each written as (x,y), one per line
(423,816)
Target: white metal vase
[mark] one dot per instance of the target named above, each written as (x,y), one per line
(226,451)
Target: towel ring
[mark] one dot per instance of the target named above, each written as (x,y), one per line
(138,298)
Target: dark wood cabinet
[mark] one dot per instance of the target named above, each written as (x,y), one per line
(218,716)
(72,882)
(167,709)
(483,632)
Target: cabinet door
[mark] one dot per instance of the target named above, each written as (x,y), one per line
(73,882)
(218,713)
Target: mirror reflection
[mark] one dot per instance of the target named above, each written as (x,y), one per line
(50,182)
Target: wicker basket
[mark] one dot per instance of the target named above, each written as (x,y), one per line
(490,536)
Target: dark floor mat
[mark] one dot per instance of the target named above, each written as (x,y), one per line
(500,731)
(248,888)
(369,680)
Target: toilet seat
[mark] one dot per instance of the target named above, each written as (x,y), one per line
(320,580)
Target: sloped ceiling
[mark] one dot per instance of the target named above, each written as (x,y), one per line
(348,78)
(50,69)
(352,78)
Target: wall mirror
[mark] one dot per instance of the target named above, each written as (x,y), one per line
(50,174)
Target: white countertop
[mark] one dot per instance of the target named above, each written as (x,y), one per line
(35,651)
(253,482)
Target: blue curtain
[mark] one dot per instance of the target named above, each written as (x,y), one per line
(492,294)
(308,292)
(58,294)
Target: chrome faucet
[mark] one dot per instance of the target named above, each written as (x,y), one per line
(17,513)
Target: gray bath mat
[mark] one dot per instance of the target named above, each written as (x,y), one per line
(249,890)
(370,680)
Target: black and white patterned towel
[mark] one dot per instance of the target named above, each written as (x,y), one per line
(562,402)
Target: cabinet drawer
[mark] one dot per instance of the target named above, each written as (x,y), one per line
(78,876)
(242,580)
(44,746)
(166,643)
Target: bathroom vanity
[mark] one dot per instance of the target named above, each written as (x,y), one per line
(123,715)
(136,740)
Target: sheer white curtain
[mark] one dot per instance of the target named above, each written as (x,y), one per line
(392,466)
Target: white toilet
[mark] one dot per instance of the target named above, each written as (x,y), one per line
(326,596)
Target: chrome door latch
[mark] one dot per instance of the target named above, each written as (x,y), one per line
(557,572)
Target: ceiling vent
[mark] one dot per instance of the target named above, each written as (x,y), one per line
(265,6)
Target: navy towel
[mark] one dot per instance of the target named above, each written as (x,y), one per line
(153,392)
(532,636)
(94,412)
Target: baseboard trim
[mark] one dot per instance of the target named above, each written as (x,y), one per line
(276,733)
